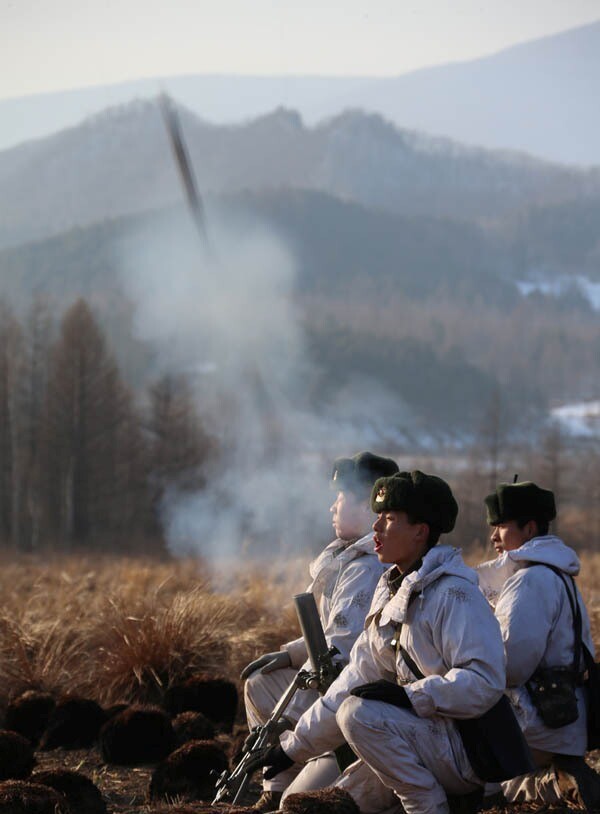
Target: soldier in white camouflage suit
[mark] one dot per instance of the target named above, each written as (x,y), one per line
(343,577)
(428,610)
(534,608)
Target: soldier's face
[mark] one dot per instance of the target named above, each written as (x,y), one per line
(508,536)
(398,541)
(351,516)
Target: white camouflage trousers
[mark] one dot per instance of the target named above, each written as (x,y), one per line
(411,760)
(318,773)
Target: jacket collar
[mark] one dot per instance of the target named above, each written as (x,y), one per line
(549,550)
(441,560)
(338,552)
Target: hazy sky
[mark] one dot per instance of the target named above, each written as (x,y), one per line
(72,43)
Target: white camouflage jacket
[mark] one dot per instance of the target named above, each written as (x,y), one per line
(343,581)
(447,628)
(537,627)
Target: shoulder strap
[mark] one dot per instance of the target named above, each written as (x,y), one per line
(410,663)
(408,660)
(575,612)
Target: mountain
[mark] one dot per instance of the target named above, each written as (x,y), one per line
(539,97)
(119,162)
(396,299)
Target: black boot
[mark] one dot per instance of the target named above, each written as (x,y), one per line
(465,803)
(577,781)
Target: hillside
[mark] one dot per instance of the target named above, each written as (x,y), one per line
(120,163)
(398,300)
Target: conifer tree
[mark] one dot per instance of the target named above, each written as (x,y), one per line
(88,412)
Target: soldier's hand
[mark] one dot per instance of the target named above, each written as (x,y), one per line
(273,758)
(383,691)
(250,739)
(267,663)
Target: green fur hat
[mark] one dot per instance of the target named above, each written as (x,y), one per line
(360,472)
(519,501)
(426,498)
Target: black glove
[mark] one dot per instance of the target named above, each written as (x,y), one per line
(273,757)
(250,738)
(383,691)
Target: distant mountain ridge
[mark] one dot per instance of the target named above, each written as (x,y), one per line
(539,97)
(119,162)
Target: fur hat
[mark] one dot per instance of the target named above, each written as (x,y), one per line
(361,471)
(519,501)
(427,498)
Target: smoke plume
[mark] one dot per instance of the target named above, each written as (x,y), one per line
(226,317)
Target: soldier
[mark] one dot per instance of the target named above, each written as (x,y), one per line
(537,608)
(431,652)
(344,577)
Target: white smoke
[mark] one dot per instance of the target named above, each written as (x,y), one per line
(227,317)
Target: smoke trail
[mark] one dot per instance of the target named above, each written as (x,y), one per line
(230,322)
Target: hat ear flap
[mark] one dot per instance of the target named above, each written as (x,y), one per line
(492,506)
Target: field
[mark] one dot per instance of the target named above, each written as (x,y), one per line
(118,629)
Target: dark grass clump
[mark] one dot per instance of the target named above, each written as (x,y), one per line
(19,797)
(82,795)
(28,714)
(110,712)
(187,773)
(16,756)
(74,724)
(138,734)
(322,801)
(192,726)
(199,808)
(217,698)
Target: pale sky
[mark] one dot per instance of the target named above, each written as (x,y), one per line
(59,44)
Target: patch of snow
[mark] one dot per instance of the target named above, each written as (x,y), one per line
(558,286)
(582,418)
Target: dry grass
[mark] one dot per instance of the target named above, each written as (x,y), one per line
(121,629)
(117,629)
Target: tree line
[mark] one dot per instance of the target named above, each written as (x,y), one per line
(85,460)
(81,458)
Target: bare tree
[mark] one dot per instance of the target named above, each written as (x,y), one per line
(30,398)
(178,446)
(10,347)
(87,412)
